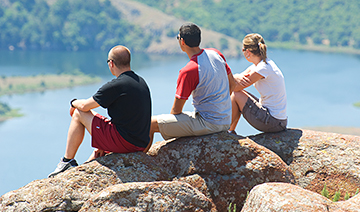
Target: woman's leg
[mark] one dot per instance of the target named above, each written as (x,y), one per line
(238,101)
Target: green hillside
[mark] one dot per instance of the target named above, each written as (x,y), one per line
(289,23)
(66,25)
(73,25)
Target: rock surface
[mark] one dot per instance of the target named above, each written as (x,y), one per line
(283,197)
(317,158)
(69,190)
(150,196)
(230,165)
(207,173)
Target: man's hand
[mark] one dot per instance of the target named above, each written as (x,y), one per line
(83,105)
(99,153)
(72,109)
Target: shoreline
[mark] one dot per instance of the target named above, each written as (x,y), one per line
(335,129)
(313,48)
(39,83)
(13,113)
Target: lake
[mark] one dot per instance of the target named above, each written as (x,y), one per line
(321,90)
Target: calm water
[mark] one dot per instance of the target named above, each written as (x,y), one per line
(321,89)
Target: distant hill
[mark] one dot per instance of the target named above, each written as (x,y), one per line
(164,28)
(96,25)
(325,25)
(150,26)
(66,25)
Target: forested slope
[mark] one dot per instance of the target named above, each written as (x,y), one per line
(66,25)
(97,25)
(76,25)
(332,23)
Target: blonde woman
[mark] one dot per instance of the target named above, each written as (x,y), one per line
(268,113)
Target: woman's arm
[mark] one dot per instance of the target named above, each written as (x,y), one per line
(246,78)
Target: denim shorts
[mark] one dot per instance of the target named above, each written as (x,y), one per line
(260,118)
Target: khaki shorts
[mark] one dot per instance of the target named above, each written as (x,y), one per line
(186,124)
(260,118)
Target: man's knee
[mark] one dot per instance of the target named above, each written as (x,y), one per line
(83,117)
(79,114)
(76,114)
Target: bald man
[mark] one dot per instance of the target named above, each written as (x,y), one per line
(128,103)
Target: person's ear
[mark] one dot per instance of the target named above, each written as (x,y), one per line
(248,53)
(182,41)
(112,64)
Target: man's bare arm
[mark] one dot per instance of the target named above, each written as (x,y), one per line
(178,106)
(85,104)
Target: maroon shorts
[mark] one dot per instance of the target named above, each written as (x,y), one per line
(107,138)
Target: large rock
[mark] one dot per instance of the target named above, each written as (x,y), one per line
(150,196)
(69,190)
(283,197)
(317,158)
(231,165)
(222,167)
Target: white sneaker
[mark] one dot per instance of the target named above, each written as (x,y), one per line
(63,166)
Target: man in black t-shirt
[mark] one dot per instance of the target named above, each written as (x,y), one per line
(128,103)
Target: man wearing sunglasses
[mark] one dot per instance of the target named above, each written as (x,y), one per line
(208,78)
(128,103)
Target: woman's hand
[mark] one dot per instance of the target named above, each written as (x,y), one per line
(245,81)
(242,81)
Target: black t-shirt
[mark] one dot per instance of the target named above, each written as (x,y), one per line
(128,102)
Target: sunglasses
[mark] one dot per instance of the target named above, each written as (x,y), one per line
(178,37)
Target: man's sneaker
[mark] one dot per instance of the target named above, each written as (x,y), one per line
(62,166)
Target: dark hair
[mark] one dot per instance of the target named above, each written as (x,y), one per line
(191,34)
(256,45)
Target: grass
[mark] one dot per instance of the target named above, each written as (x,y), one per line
(232,208)
(337,194)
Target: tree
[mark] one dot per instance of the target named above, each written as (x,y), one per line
(67,25)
